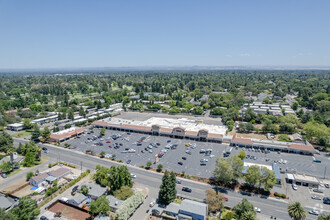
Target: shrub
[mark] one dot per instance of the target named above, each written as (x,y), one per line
(283,196)
(29,175)
(123,193)
(129,206)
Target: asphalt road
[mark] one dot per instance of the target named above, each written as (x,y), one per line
(152,180)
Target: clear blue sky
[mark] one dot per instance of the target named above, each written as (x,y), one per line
(95,33)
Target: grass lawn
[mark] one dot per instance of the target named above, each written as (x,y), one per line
(21,134)
(14,172)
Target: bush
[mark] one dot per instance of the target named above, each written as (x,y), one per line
(283,196)
(129,206)
(123,193)
(29,175)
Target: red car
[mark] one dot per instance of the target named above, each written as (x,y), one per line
(160,155)
(108,142)
(110,146)
(225,198)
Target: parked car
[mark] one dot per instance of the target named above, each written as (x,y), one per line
(4,175)
(152,203)
(133,175)
(178,181)
(44,148)
(180,163)
(155,212)
(184,158)
(188,152)
(313,212)
(202,151)
(186,189)
(316,197)
(204,160)
(128,162)
(43,218)
(326,185)
(294,186)
(326,200)
(318,190)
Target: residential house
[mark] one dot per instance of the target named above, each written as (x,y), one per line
(77,199)
(94,190)
(49,176)
(15,126)
(60,173)
(7,202)
(16,158)
(192,210)
(114,203)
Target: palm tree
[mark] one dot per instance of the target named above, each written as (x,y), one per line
(296,211)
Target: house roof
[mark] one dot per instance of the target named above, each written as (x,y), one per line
(302,147)
(4,203)
(114,202)
(194,207)
(41,177)
(242,140)
(50,178)
(59,172)
(94,189)
(173,207)
(79,198)
(296,136)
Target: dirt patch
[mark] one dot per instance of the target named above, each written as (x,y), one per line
(251,135)
(69,212)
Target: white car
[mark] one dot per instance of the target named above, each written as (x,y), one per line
(257,209)
(152,203)
(212,155)
(294,186)
(133,175)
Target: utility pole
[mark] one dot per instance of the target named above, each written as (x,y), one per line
(325,171)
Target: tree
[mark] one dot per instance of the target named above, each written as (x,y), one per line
(27,123)
(242,207)
(46,133)
(296,211)
(6,142)
(206,106)
(198,111)
(6,215)
(123,193)
(167,191)
(149,164)
(102,131)
(249,127)
(268,126)
(253,175)
(267,178)
(159,167)
(26,210)
(249,115)
(66,126)
(284,137)
(213,200)
(321,217)
(6,166)
(223,172)
(84,190)
(295,106)
(29,175)
(70,114)
(100,206)
(36,132)
(29,159)
(242,155)
(249,215)
(237,166)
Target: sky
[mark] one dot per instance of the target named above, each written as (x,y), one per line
(97,33)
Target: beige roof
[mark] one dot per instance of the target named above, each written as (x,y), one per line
(145,128)
(165,130)
(215,136)
(302,147)
(242,140)
(67,135)
(191,133)
(59,172)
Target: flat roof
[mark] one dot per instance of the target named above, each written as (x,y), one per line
(305,178)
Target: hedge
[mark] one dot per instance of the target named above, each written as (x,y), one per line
(280,195)
(129,206)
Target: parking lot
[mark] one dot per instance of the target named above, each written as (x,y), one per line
(191,165)
(291,162)
(286,161)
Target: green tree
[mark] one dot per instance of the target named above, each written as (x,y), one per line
(84,190)
(242,155)
(6,215)
(253,175)
(249,215)
(149,164)
(102,131)
(27,123)
(249,115)
(29,159)
(228,216)
(67,126)
(29,175)
(237,166)
(46,133)
(223,171)
(198,111)
(123,193)
(26,210)
(167,191)
(267,178)
(295,106)
(324,217)
(206,106)
(284,137)
(100,206)
(6,166)
(159,167)
(242,207)
(6,142)
(296,211)
(36,132)
(70,114)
